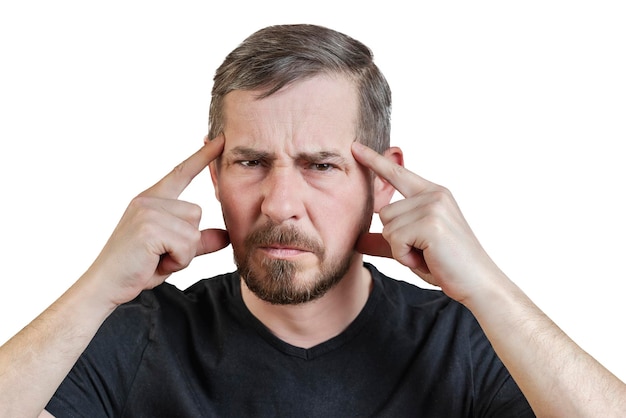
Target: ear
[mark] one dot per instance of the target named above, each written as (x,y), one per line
(383,190)
(214,176)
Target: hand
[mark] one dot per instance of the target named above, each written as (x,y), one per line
(426,231)
(158,234)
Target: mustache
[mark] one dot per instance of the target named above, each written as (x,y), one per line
(288,236)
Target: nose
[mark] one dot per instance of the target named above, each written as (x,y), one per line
(283,191)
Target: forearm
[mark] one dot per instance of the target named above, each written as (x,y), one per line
(36,360)
(558,378)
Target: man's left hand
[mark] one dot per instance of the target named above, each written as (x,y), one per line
(426,231)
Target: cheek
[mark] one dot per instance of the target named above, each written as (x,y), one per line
(344,219)
(238,212)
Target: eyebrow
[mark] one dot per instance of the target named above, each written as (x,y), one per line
(322,156)
(256,154)
(250,153)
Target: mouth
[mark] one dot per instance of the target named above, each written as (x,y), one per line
(272,242)
(283,251)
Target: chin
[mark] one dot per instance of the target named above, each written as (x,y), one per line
(283,282)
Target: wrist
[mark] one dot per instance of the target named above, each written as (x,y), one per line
(97,290)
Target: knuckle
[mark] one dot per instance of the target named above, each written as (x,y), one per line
(189,239)
(184,256)
(390,234)
(397,171)
(384,214)
(386,233)
(193,238)
(195,212)
(139,208)
(440,199)
(443,194)
(140,201)
(146,231)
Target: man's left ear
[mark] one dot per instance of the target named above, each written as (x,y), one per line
(383,190)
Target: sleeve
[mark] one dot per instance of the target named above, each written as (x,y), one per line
(509,401)
(495,391)
(98,384)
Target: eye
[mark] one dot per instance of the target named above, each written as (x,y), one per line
(321,166)
(249,163)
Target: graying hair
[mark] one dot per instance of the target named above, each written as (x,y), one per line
(276,56)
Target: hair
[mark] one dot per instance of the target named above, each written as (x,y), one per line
(276,56)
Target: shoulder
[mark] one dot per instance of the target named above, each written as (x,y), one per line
(427,309)
(138,320)
(450,344)
(404,293)
(214,288)
(214,293)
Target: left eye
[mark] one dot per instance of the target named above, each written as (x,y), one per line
(321,166)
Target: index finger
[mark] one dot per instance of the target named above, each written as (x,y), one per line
(173,184)
(402,179)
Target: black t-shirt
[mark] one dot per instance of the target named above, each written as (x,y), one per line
(411,352)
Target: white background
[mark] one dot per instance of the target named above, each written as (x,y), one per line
(518,107)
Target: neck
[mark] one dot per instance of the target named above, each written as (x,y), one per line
(309,324)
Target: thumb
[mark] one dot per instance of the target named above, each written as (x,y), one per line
(373,244)
(212,240)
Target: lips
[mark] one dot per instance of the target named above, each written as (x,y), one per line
(285,247)
(283,241)
(281,251)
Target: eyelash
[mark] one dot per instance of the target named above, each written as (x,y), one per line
(322,167)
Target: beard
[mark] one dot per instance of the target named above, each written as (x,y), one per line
(275,280)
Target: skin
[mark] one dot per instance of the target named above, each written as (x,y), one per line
(287,160)
(425,231)
(34,362)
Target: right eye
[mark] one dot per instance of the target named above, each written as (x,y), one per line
(249,163)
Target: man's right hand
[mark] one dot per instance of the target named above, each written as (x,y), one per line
(158,234)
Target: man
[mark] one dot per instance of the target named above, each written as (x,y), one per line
(299,154)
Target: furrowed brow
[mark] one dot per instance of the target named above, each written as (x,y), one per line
(328,156)
(247,153)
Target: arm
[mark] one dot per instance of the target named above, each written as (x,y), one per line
(557,376)
(157,236)
(427,232)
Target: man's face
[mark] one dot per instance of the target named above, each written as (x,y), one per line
(293,197)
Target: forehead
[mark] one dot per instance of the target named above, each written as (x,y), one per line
(316,113)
